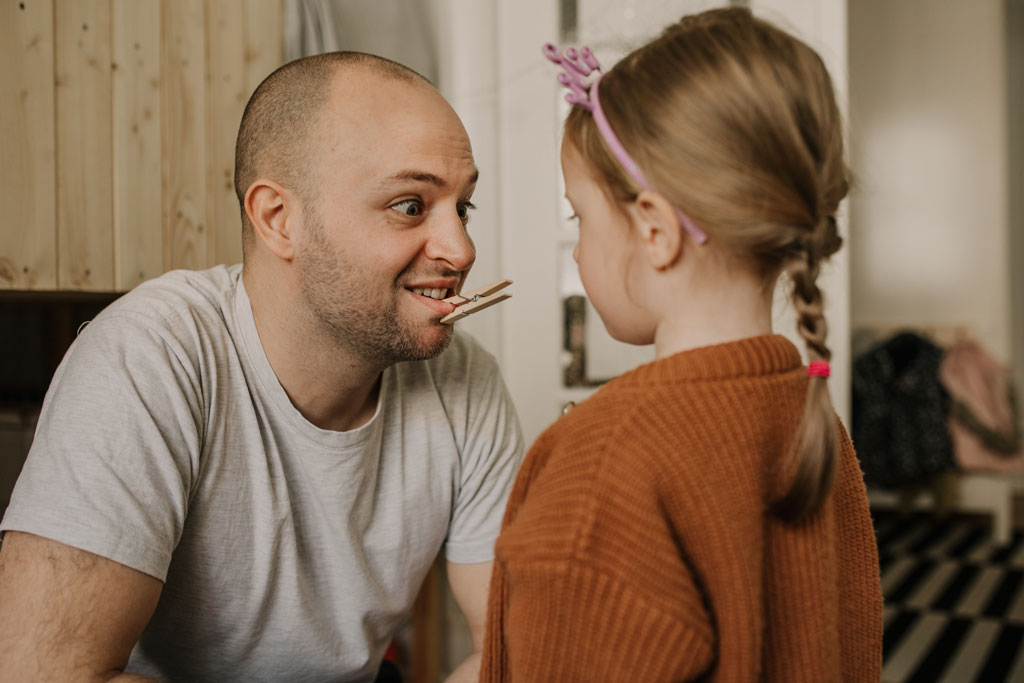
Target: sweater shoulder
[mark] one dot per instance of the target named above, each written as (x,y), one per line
(592,501)
(572,478)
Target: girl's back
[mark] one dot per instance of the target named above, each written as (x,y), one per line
(638,547)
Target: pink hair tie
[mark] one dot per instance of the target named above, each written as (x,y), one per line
(575,66)
(818,368)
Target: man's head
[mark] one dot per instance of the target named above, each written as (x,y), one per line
(355,178)
(276,135)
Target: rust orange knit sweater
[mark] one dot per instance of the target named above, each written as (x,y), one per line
(636,544)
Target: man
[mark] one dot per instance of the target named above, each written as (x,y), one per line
(235,476)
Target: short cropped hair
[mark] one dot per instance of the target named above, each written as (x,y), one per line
(283,112)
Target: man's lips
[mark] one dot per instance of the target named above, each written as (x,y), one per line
(442,308)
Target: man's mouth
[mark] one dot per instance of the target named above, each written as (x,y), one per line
(433,298)
(431,293)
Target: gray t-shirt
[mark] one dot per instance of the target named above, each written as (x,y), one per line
(288,552)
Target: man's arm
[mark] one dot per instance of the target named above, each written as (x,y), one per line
(469,583)
(68,615)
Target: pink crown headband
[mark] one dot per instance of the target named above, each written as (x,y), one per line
(576,65)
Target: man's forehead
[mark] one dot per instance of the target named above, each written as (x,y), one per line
(422,176)
(451,179)
(362,94)
(397,132)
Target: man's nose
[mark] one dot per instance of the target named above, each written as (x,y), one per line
(450,242)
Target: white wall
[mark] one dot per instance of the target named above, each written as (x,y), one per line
(929,218)
(528,134)
(467,76)
(1015,78)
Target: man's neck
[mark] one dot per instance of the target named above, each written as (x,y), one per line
(333,389)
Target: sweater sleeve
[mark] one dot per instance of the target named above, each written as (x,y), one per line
(570,621)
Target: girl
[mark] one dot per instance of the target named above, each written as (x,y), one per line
(704,515)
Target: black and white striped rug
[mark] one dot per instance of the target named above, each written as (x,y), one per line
(954,604)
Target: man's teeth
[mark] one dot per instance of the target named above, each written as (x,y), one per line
(432,293)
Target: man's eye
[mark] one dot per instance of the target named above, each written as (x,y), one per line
(464,210)
(409,207)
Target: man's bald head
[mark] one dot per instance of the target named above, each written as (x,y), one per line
(282,115)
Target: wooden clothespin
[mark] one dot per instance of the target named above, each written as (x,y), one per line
(477,300)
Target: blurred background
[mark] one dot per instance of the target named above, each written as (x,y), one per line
(117,134)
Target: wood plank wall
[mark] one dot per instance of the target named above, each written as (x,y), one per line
(117,135)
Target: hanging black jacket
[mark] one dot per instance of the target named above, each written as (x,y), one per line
(900,412)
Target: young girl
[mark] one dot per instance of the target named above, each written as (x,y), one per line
(702,516)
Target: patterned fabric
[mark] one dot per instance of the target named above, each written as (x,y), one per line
(900,412)
(984,420)
(954,601)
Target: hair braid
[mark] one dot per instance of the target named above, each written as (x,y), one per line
(816,447)
(807,300)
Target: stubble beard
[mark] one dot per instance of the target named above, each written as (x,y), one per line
(331,288)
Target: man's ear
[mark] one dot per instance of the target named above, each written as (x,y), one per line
(658,226)
(271,209)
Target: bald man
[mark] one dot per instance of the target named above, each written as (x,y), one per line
(236,475)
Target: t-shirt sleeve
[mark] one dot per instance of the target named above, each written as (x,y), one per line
(492,450)
(116,446)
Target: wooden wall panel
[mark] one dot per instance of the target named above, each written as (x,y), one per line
(123,116)
(138,209)
(28,233)
(85,222)
(225,98)
(264,40)
(187,242)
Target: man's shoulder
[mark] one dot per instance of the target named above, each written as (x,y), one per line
(175,305)
(184,312)
(179,291)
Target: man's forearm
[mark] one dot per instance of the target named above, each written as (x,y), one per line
(468,671)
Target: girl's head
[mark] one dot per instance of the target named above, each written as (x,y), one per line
(734,122)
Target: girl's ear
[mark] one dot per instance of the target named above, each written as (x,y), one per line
(270,210)
(659,231)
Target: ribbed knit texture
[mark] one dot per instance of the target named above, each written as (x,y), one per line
(636,545)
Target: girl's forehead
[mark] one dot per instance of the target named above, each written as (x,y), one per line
(579,174)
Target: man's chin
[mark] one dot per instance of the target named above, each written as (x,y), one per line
(435,342)
(423,343)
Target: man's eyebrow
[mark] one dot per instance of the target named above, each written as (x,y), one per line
(426,177)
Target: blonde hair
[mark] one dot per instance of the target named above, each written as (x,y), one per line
(735,122)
